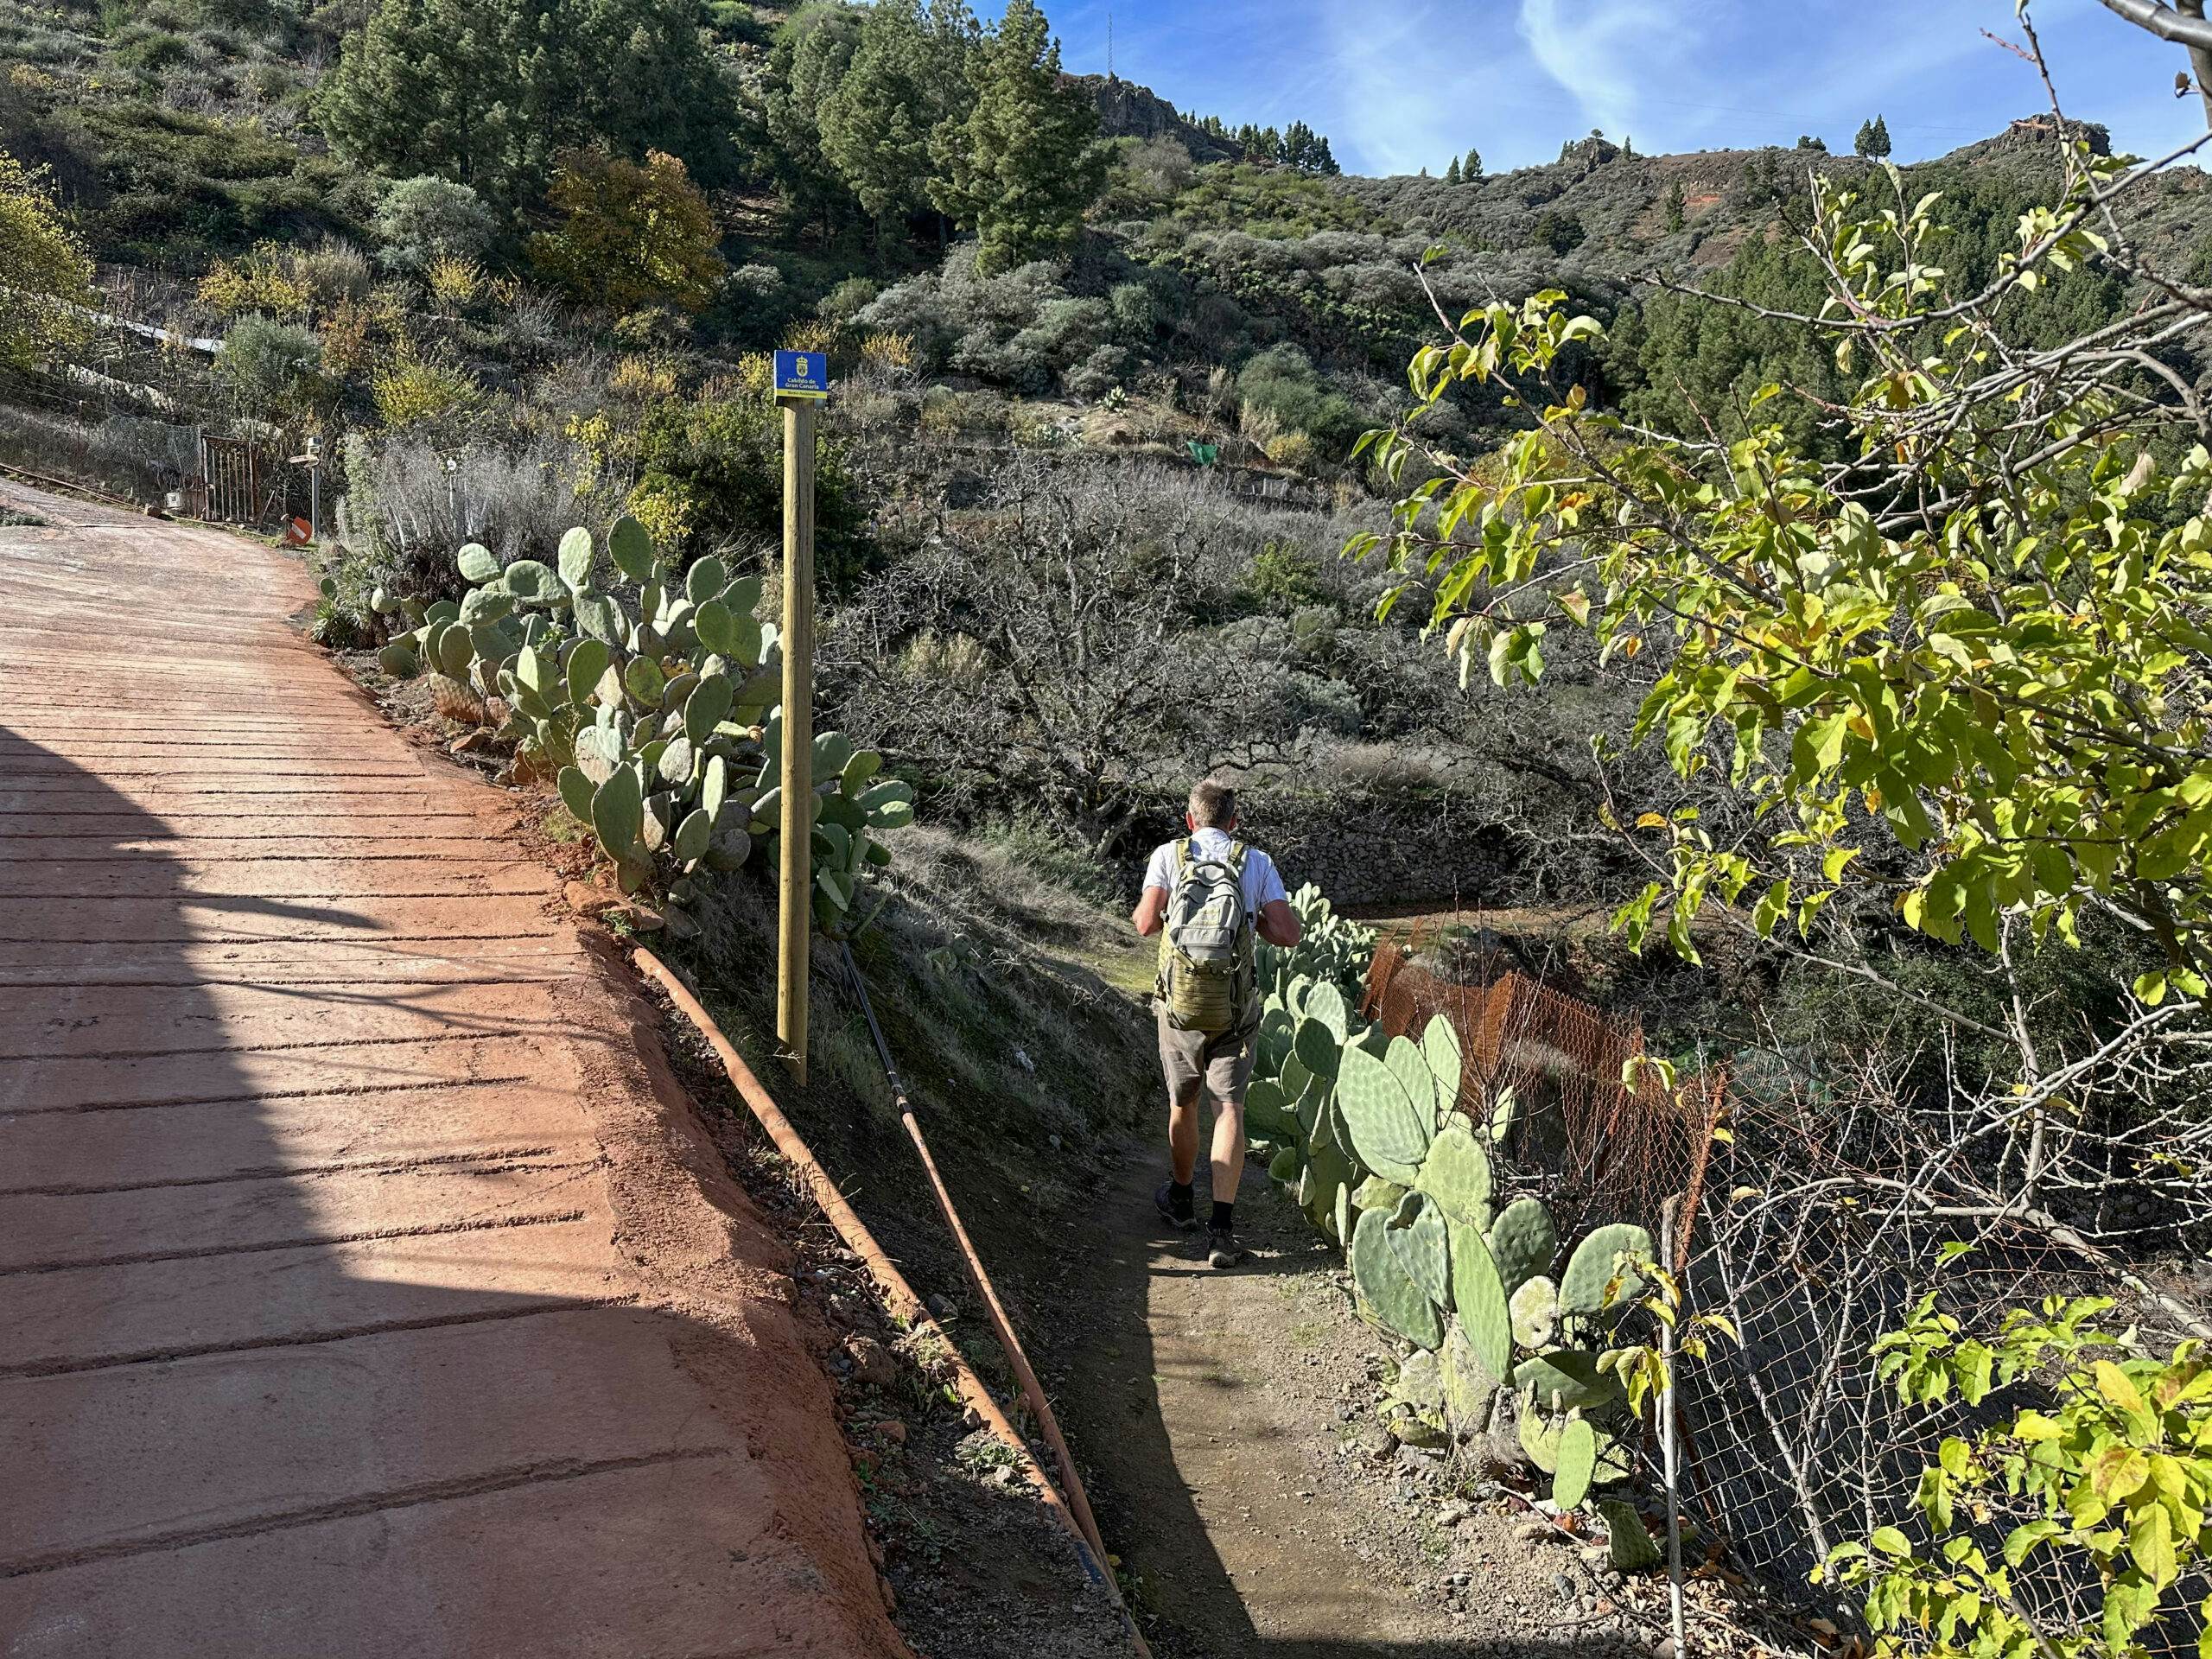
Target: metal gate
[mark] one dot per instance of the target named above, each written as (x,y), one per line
(236,487)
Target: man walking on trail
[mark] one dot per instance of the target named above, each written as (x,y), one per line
(1208,895)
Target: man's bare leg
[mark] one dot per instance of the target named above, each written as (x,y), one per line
(1183,1134)
(1228,1148)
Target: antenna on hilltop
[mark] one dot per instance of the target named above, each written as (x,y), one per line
(1109,42)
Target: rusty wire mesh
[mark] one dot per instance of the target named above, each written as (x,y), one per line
(1792,1442)
(1603,1151)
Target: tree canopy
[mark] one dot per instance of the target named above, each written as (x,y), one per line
(485,92)
(1023,163)
(45,269)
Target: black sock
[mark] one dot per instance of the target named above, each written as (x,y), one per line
(1223,1218)
(1180,1199)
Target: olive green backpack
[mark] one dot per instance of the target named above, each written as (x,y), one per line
(1206,980)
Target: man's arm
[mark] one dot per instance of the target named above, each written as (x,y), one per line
(1278,923)
(1151,907)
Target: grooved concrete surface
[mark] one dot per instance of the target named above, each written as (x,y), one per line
(366,1286)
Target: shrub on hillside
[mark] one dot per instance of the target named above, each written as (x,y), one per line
(421,220)
(712,470)
(272,368)
(1021,329)
(633,234)
(1282,382)
(406,509)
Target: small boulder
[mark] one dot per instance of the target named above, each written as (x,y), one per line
(872,1362)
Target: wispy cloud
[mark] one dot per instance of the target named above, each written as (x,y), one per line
(1606,53)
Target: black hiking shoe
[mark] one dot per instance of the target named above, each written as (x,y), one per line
(1222,1248)
(1164,1199)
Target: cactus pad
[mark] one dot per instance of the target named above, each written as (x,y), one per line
(534,583)
(477,562)
(1376,1192)
(1592,1267)
(1326,1002)
(1564,1379)
(1318,1048)
(1388,1130)
(704,709)
(1391,1296)
(618,811)
(1540,1436)
(1403,1056)
(575,794)
(630,546)
(1577,1460)
(1469,1383)
(1534,1309)
(1522,1240)
(1456,1174)
(1416,1232)
(587,661)
(1439,1046)
(1479,1298)
(1627,1539)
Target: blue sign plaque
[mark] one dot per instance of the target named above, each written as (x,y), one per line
(802,374)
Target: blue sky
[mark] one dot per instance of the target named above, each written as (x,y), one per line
(1400,83)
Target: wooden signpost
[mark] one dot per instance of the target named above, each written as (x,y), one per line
(801,382)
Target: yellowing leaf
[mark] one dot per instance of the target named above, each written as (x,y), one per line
(2113,1385)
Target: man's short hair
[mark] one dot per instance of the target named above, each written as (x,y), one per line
(1213,805)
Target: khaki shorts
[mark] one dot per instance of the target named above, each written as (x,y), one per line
(1222,1063)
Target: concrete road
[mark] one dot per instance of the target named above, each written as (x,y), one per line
(366,1286)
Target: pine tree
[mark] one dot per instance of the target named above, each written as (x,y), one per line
(877,122)
(1473,169)
(1022,165)
(1324,162)
(1873,138)
(807,64)
(470,90)
(1677,210)
(1451,173)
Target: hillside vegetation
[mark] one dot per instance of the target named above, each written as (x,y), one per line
(1795,556)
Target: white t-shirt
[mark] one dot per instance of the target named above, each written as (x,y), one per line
(1263,881)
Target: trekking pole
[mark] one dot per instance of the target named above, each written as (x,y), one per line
(1032,1390)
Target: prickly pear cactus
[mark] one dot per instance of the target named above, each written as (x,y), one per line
(1479,1298)
(1469,1383)
(1416,1233)
(1391,1297)
(1601,1256)
(1439,1046)
(1575,1462)
(1540,1437)
(1628,1541)
(1567,1379)
(1523,1242)
(1377,1193)
(1389,1130)
(1456,1174)
(1534,1309)
(665,676)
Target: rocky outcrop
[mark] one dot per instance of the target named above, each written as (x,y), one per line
(1128,111)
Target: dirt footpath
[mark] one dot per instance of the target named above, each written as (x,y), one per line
(365,1285)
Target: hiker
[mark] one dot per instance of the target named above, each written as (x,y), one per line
(1207,895)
